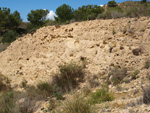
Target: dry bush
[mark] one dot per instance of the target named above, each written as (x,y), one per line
(8,103)
(45,86)
(147,64)
(4,83)
(26,106)
(117,75)
(69,77)
(134,74)
(116,14)
(146,95)
(93,81)
(77,104)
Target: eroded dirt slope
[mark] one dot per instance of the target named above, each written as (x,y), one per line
(103,43)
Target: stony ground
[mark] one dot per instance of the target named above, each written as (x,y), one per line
(104,44)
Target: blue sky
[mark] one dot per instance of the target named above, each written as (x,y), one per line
(24,6)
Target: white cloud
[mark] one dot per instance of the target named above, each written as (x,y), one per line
(51,15)
(101,5)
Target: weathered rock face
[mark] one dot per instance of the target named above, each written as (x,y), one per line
(36,56)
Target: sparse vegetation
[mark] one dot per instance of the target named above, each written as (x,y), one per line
(69,77)
(117,75)
(4,83)
(26,106)
(146,95)
(7,102)
(93,82)
(124,30)
(9,36)
(52,104)
(134,74)
(113,31)
(24,83)
(101,95)
(77,104)
(46,87)
(147,64)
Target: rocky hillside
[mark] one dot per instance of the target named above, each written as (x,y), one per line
(103,44)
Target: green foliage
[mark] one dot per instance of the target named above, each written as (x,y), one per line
(7,102)
(45,86)
(37,17)
(9,20)
(113,31)
(112,3)
(69,77)
(111,12)
(124,30)
(147,64)
(89,12)
(101,95)
(77,105)
(132,12)
(58,95)
(9,36)
(31,28)
(134,74)
(64,13)
(23,84)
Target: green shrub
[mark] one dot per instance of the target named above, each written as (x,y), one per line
(9,36)
(124,30)
(132,12)
(46,87)
(92,16)
(77,105)
(113,31)
(134,74)
(101,95)
(147,64)
(69,77)
(24,83)
(7,102)
(101,16)
(32,28)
